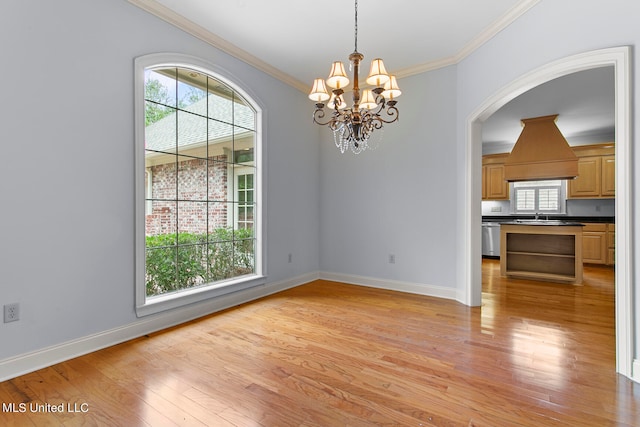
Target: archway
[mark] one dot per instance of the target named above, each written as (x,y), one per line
(619,58)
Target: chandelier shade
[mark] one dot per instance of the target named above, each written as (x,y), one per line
(368,101)
(337,77)
(378,74)
(319,91)
(353,125)
(391,89)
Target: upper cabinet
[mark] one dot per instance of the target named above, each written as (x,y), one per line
(494,187)
(596,172)
(608,186)
(588,183)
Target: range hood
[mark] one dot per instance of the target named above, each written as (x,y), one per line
(541,152)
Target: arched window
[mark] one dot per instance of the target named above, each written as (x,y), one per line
(197,163)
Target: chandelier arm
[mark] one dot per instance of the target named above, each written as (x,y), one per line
(338,120)
(336,125)
(375,122)
(318,115)
(380,105)
(391,112)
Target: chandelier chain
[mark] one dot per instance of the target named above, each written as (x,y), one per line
(356,28)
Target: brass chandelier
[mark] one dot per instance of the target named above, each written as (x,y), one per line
(352,127)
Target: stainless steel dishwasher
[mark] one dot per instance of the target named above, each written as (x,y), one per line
(491,239)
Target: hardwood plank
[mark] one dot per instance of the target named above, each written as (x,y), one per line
(331,354)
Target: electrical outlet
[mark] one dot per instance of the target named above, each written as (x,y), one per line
(290,258)
(392,259)
(11,312)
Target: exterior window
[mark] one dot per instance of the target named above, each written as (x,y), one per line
(201,230)
(538,196)
(244,218)
(244,190)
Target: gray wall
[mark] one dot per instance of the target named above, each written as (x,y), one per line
(398,198)
(66,180)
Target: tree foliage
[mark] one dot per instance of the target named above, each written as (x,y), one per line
(160,103)
(157,101)
(184,260)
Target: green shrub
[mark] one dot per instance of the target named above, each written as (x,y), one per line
(175,262)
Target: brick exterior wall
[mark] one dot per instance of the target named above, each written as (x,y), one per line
(190,213)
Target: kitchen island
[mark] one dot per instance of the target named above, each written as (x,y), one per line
(542,250)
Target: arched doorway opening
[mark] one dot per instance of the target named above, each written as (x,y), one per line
(619,58)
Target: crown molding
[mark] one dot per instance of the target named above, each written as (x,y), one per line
(487,34)
(207,36)
(500,24)
(203,34)
(424,67)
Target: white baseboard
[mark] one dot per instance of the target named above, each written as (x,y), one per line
(635,371)
(29,362)
(393,285)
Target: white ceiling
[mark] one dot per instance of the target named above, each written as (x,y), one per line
(297,40)
(583,101)
(301,38)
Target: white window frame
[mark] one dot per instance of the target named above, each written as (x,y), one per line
(562,199)
(150,305)
(148,188)
(246,170)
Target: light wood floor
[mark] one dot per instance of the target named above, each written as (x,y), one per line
(330,354)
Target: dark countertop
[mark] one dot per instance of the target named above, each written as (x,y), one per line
(564,218)
(543,222)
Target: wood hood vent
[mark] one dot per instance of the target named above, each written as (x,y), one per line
(541,152)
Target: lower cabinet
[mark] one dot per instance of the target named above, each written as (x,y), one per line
(611,244)
(541,252)
(598,243)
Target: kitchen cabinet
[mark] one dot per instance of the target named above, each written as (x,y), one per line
(484,183)
(595,243)
(596,173)
(542,252)
(589,181)
(497,187)
(611,244)
(599,243)
(608,186)
(494,187)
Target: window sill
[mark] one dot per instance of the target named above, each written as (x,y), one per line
(160,303)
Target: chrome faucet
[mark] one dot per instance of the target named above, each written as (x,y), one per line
(537,215)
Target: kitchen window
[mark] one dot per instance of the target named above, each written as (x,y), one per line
(546,197)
